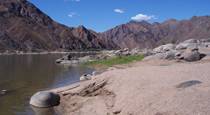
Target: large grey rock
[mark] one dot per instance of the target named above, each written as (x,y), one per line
(67,59)
(135,51)
(44,99)
(188,44)
(190,41)
(191,56)
(122,52)
(206,44)
(147,52)
(183,46)
(164,48)
(205,40)
(169,55)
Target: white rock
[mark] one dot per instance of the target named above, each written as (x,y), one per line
(86,77)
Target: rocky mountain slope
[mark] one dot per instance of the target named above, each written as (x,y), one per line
(147,35)
(24,27)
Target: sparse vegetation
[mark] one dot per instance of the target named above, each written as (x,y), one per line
(116,60)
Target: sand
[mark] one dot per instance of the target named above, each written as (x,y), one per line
(154,87)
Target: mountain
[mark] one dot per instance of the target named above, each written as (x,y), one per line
(146,35)
(25,28)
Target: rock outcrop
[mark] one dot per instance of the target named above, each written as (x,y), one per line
(187,51)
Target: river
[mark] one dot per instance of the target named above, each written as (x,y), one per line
(24,75)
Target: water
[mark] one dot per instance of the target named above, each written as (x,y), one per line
(24,75)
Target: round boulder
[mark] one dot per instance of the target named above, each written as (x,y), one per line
(44,99)
(191,56)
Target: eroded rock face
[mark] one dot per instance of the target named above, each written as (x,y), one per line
(147,35)
(26,28)
(45,99)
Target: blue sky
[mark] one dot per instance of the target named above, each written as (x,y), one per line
(101,15)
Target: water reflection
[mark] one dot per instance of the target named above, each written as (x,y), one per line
(43,111)
(24,75)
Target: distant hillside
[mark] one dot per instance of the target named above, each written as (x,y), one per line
(146,35)
(24,27)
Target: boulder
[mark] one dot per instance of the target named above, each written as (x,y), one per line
(135,51)
(190,41)
(191,55)
(147,52)
(126,53)
(183,46)
(67,57)
(164,48)
(206,44)
(85,77)
(44,99)
(188,44)
(122,52)
(170,55)
(205,40)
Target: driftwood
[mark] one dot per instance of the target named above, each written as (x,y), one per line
(86,88)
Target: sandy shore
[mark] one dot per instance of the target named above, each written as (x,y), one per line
(143,88)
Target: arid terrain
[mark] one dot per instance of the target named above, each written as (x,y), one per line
(154,87)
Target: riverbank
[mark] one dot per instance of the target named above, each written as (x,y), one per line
(155,87)
(53,52)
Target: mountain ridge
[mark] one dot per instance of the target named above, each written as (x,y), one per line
(149,35)
(26,28)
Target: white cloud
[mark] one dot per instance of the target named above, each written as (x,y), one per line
(121,11)
(72,14)
(142,17)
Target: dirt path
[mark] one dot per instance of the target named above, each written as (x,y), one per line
(144,88)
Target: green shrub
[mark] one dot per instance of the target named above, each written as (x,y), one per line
(116,60)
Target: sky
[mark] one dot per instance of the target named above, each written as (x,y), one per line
(101,15)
